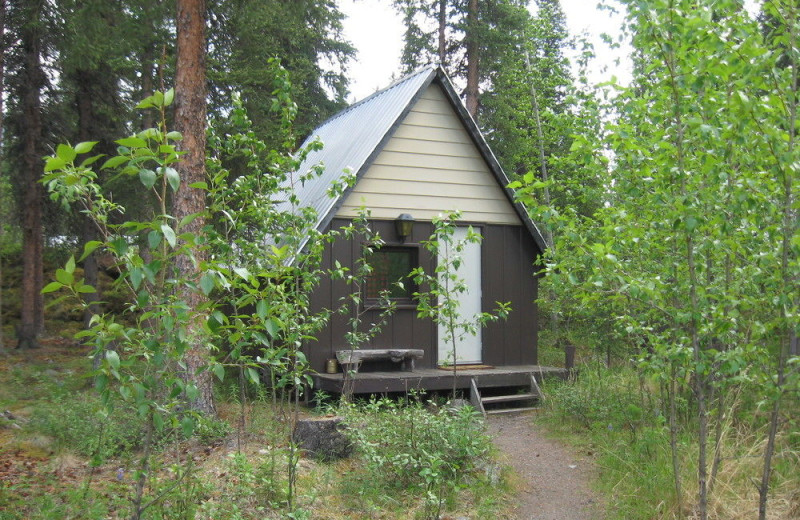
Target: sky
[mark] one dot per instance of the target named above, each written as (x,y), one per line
(376,30)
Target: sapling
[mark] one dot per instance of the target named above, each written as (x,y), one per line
(143,370)
(355,302)
(440,300)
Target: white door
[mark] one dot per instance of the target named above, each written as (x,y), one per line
(468,347)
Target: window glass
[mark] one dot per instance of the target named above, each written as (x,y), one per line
(389,266)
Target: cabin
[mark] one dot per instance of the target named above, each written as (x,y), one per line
(416,153)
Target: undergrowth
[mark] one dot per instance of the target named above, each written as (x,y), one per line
(620,417)
(410,449)
(69,459)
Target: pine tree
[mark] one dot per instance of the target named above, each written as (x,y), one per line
(467,37)
(190,120)
(28,22)
(306,37)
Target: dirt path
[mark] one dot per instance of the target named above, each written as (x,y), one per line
(553,482)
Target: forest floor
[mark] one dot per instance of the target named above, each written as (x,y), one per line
(552,481)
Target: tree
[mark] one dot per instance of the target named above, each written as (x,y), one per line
(3,187)
(782,36)
(439,301)
(189,201)
(467,38)
(30,80)
(92,67)
(307,38)
(695,216)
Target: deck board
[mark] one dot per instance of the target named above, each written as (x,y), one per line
(432,379)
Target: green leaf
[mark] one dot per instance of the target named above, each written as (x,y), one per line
(187,424)
(142,298)
(120,246)
(169,234)
(113,359)
(147,177)
(261,309)
(70,266)
(85,147)
(153,239)
(136,275)
(146,103)
(132,142)
(168,97)
(64,277)
(52,287)
(273,327)
(89,248)
(173,178)
(114,162)
(219,371)
(66,152)
(252,374)
(187,219)
(174,136)
(54,163)
(243,272)
(158,98)
(207,283)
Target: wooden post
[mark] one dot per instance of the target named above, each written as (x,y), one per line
(569,356)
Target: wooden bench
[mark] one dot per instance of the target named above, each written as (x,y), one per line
(351,359)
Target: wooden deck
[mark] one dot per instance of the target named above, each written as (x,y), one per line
(433,379)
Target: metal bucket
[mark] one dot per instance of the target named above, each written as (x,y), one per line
(331,366)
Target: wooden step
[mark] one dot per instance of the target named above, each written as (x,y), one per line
(509,398)
(510,410)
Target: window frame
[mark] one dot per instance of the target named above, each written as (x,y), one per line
(404,302)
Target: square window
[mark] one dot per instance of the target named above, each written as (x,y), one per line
(391,264)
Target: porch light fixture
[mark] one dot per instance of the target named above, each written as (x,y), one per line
(403,224)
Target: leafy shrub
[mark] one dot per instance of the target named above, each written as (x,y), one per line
(249,487)
(79,424)
(209,429)
(598,398)
(411,447)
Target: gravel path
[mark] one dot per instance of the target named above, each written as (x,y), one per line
(553,482)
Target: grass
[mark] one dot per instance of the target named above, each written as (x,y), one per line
(616,415)
(65,458)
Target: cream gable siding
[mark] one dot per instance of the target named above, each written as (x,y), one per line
(429,166)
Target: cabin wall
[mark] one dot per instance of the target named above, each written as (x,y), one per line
(507,254)
(430,165)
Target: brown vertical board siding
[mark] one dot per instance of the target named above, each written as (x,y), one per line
(493,290)
(424,329)
(530,352)
(341,250)
(319,350)
(518,319)
(507,275)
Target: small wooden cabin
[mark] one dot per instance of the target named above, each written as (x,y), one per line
(416,151)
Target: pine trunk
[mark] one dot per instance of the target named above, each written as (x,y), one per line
(472,59)
(190,120)
(442,35)
(86,114)
(2,98)
(32,305)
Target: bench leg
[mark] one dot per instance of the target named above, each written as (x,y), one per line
(348,367)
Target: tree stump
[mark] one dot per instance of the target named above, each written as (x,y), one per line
(322,438)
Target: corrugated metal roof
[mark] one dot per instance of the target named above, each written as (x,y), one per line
(353,138)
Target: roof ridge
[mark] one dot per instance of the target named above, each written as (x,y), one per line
(394,84)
